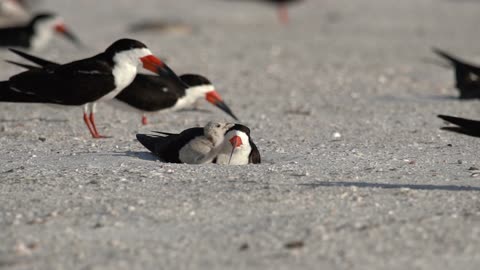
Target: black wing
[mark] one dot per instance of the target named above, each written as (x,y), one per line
(467,76)
(25,66)
(146,92)
(465,126)
(151,93)
(7,94)
(75,83)
(254,157)
(15,37)
(168,147)
(37,60)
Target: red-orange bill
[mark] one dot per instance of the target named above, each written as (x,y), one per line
(214,98)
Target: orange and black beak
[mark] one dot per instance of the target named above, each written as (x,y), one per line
(214,98)
(62,29)
(236,141)
(155,65)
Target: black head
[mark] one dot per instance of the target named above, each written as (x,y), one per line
(124,44)
(56,24)
(194,80)
(42,17)
(241,128)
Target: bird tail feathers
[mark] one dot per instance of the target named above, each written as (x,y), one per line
(150,141)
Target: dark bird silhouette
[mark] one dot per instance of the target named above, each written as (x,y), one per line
(463,125)
(467,76)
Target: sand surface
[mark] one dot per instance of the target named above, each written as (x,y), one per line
(342,104)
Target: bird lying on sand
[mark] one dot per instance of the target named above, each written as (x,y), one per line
(217,142)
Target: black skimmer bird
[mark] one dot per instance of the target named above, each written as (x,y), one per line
(149,93)
(463,125)
(238,148)
(35,34)
(84,82)
(467,76)
(191,146)
(155,93)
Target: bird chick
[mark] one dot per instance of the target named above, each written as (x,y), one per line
(203,149)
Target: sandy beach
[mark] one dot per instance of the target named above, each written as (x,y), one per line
(342,103)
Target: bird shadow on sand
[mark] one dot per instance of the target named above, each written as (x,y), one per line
(418,99)
(390,186)
(471,133)
(141,155)
(160,26)
(194,110)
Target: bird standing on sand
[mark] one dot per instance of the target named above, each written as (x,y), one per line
(191,146)
(149,93)
(86,81)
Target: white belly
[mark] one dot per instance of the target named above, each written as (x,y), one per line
(238,158)
(40,39)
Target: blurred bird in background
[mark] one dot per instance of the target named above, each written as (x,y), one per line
(281,6)
(467,75)
(37,33)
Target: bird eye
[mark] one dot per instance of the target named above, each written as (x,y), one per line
(218,125)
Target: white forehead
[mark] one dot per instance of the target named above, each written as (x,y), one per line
(241,134)
(200,90)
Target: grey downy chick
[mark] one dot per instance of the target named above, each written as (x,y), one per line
(204,149)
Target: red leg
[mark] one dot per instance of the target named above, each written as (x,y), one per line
(144,120)
(89,125)
(94,127)
(283,14)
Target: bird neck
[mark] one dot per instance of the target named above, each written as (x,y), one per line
(40,38)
